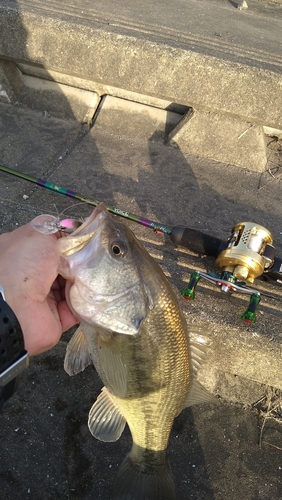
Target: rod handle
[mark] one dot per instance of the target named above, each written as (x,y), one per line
(197,241)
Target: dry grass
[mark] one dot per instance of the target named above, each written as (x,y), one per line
(269,407)
(273,171)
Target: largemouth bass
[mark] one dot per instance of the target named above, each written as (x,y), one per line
(134,332)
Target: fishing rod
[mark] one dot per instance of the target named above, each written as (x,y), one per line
(180,235)
(247,254)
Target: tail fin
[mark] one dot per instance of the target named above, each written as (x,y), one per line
(133,484)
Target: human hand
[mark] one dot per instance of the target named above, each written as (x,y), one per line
(29,263)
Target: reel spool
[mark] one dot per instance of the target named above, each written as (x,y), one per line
(249,253)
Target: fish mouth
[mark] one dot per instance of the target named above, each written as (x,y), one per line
(85,232)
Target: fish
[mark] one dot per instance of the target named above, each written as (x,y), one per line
(132,328)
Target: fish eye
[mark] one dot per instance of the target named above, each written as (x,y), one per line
(118,249)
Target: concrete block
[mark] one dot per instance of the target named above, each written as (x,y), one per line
(58,99)
(135,119)
(222,138)
(256,360)
(8,81)
(237,73)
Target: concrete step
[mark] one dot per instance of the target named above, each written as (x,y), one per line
(208,55)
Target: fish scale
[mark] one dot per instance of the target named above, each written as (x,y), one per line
(159,394)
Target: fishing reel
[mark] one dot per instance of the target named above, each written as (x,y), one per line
(249,253)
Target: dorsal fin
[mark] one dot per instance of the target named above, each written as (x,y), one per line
(199,345)
(198,394)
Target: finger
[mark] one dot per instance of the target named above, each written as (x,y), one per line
(66,316)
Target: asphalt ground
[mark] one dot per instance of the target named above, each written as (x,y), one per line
(224,451)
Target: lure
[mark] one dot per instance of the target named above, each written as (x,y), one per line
(49,224)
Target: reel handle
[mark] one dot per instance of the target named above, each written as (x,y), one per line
(249,316)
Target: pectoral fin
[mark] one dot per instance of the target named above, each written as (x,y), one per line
(105,421)
(77,356)
(111,366)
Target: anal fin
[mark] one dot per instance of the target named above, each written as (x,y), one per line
(105,420)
